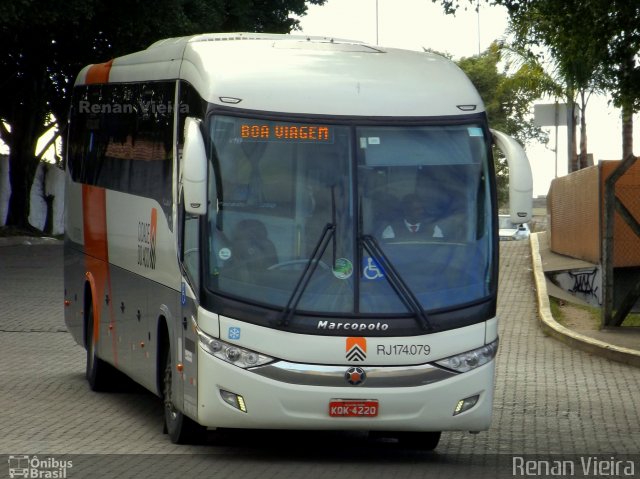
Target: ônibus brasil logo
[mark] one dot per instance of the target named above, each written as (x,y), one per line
(34,467)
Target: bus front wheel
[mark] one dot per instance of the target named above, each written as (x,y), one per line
(180,428)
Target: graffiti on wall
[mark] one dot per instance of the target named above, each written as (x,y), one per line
(585,284)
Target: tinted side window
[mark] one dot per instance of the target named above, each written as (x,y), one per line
(121,138)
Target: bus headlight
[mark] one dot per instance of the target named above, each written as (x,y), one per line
(471,359)
(241,357)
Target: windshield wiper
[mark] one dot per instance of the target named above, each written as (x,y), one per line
(328,232)
(397,283)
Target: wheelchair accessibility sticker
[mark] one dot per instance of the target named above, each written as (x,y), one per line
(371,270)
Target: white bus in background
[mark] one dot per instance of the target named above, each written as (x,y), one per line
(239,238)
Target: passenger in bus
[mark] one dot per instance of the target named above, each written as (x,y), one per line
(415,221)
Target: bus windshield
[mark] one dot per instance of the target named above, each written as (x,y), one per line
(360,208)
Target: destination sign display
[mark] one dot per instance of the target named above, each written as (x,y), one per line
(286,132)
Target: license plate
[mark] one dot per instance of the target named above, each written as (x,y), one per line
(346,408)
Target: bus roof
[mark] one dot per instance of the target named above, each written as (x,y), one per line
(304,75)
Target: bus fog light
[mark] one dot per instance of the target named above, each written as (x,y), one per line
(466,404)
(234,400)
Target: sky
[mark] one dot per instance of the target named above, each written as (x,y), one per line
(418,24)
(414,24)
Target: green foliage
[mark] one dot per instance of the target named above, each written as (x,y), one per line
(51,41)
(508,93)
(46,43)
(595,43)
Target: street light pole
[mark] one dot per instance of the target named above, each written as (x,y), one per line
(478,11)
(376,22)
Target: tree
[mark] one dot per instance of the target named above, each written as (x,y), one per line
(594,43)
(51,41)
(508,94)
(618,33)
(577,57)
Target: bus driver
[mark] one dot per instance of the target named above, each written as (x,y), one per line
(414,223)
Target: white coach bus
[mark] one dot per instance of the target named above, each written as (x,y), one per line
(271,231)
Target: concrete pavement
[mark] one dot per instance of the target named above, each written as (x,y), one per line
(549,399)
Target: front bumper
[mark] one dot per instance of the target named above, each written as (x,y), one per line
(275,404)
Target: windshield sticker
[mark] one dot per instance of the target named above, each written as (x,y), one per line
(374,140)
(224,254)
(371,270)
(343,269)
(475,131)
(234,333)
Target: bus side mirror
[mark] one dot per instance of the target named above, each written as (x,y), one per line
(520,178)
(194,168)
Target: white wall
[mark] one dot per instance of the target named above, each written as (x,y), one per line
(54,185)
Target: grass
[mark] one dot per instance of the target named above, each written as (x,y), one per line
(556,310)
(589,314)
(632,320)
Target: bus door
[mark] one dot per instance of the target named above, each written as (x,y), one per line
(186,337)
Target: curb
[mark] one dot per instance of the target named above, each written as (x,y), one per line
(571,338)
(28,241)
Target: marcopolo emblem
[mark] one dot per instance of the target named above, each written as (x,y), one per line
(355,376)
(356,349)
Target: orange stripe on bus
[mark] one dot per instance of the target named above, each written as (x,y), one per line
(99,73)
(94,212)
(95,306)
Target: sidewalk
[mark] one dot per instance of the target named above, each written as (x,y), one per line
(615,344)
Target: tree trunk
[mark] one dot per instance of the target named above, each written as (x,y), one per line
(25,131)
(627,131)
(22,170)
(571,133)
(583,131)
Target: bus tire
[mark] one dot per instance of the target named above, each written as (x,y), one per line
(99,374)
(180,428)
(424,441)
